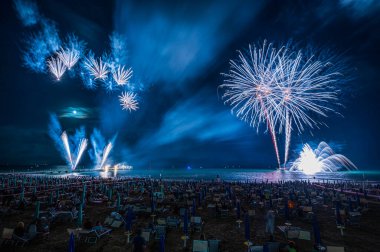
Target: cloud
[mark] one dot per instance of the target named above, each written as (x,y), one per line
(172,46)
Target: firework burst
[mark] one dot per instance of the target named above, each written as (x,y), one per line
(56,67)
(122,76)
(97,69)
(322,159)
(69,57)
(128,101)
(280,88)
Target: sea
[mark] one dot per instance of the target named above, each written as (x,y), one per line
(226,174)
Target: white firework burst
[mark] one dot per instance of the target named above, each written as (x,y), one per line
(122,76)
(322,159)
(279,87)
(56,67)
(128,101)
(97,69)
(69,57)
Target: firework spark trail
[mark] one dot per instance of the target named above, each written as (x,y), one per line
(97,69)
(106,152)
(82,147)
(69,57)
(65,142)
(288,132)
(122,76)
(56,67)
(128,101)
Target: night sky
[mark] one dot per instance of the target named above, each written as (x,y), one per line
(178,50)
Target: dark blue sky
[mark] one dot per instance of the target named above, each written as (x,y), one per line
(178,50)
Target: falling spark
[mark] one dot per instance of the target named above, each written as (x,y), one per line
(56,67)
(69,57)
(122,76)
(128,101)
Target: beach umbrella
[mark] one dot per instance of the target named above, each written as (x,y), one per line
(238,209)
(51,198)
(193,208)
(80,215)
(118,202)
(37,210)
(162,244)
(286,210)
(83,194)
(152,205)
(128,222)
(247,229)
(72,243)
(265,247)
(365,194)
(350,204)
(185,223)
(22,193)
(316,231)
(270,201)
(357,200)
(338,217)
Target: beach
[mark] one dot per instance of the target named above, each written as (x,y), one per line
(222,207)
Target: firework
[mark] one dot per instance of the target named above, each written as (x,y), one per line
(97,69)
(82,147)
(56,67)
(106,152)
(128,101)
(322,159)
(122,76)
(66,145)
(281,88)
(69,57)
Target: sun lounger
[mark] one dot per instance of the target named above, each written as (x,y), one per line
(160,231)
(116,224)
(273,246)
(161,222)
(304,235)
(256,249)
(6,236)
(108,221)
(87,236)
(172,222)
(146,236)
(213,245)
(197,222)
(334,249)
(200,246)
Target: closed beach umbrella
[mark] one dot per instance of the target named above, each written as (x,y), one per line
(338,217)
(238,209)
(162,244)
(350,204)
(72,243)
(357,200)
(22,193)
(51,198)
(316,231)
(152,205)
(193,208)
(128,222)
(185,223)
(286,210)
(118,203)
(247,229)
(37,210)
(80,215)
